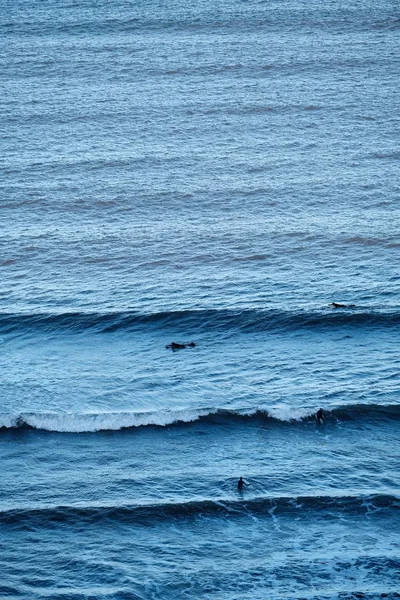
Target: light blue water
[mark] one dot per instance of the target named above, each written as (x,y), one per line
(217,173)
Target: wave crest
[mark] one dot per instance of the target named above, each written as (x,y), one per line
(213,507)
(200,319)
(109,421)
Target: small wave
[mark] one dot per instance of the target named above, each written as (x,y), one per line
(391,23)
(371,241)
(388,154)
(225,507)
(252,320)
(252,257)
(108,421)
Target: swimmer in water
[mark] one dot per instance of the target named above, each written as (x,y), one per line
(241,483)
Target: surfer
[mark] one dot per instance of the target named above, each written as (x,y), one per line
(337,305)
(176,346)
(320,416)
(241,482)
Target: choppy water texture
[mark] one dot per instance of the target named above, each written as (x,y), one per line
(216,172)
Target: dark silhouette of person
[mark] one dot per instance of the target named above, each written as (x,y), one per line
(241,483)
(176,346)
(320,416)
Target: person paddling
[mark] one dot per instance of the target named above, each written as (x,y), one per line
(176,346)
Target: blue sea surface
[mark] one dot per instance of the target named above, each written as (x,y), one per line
(217,173)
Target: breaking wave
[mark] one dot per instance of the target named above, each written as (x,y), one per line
(274,416)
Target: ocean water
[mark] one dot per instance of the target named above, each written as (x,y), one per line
(216,172)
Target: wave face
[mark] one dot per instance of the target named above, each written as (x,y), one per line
(250,320)
(108,421)
(222,507)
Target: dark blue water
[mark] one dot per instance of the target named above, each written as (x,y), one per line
(216,173)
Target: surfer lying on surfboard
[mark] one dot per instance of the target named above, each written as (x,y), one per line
(176,346)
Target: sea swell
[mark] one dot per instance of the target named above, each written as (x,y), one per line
(251,320)
(200,20)
(220,507)
(116,421)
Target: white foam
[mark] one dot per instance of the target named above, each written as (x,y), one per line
(9,420)
(92,422)
(288,413)
(109,421)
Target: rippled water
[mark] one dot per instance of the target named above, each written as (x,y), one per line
(217,173)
